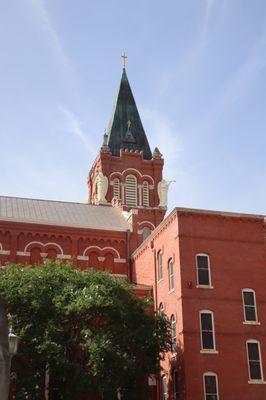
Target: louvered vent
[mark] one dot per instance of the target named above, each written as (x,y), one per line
(117,188)
(131,190)
(145,195)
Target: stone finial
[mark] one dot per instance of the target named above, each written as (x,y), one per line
(105,146)
(156,153)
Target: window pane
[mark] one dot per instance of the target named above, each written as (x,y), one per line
(207,340)
(211,397)
(253,351)
(255,372)
(203,277)
(171,285)
(210,384)
(206,321)
(250,314)
(175,385)
(202,262)
(249,298)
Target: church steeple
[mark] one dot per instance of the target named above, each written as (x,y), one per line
(125,130)
(125,174)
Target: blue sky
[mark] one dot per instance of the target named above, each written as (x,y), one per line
(197,69)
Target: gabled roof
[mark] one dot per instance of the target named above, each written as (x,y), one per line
(61,213)
(125,130)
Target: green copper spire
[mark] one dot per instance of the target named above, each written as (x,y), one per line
(125,129)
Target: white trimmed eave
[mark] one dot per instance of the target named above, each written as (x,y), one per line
(60,224)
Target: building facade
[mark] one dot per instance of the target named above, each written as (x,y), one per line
(206,270)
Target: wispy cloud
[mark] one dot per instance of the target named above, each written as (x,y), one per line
(196,50)
(238,85)
(209,7)
(72,125)
(41,15)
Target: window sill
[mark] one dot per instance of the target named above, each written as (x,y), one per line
(204,286)
(257,382)
(160,280)
(171,291)
(210,351)
(251,323)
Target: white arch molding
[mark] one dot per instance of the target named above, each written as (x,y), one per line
(4,252)
(101,249)
(121,174)
(44,245)
(146,223)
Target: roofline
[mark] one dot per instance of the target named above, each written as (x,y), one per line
(56,201)
(221,213)
(58,224)
(197,211)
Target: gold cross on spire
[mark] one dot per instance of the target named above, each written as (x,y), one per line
(124,57)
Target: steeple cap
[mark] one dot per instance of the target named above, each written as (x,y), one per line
(125,129)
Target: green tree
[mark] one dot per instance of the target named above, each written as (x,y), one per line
(85,330)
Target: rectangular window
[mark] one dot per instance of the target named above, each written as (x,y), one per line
(160,265)
(254,361)
(249,304)
(207,332)
(171,275)
(210,386)
(203,269)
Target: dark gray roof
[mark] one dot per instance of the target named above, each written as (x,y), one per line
(125,130)
(61,213)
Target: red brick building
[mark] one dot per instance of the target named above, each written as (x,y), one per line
(206,270)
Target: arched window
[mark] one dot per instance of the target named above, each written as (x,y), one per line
(117,192)
(254,360)
(146,231)
(207,330)
(176,392)
(131,190)
(249,305)
(203,269)
(161,309)
(171,278)
(160,265)
(145,194)
(210,382)
(173,333)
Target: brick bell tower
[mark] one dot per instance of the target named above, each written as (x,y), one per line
(125,173)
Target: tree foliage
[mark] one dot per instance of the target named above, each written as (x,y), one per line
(87,328)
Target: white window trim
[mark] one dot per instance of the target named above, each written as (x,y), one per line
(161,309)
(171,289)
(204,287)
(214,350)
(173,322)
(256,322)
(159,279)
(209,270)
(216,379)
(164,378)
(261,368)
